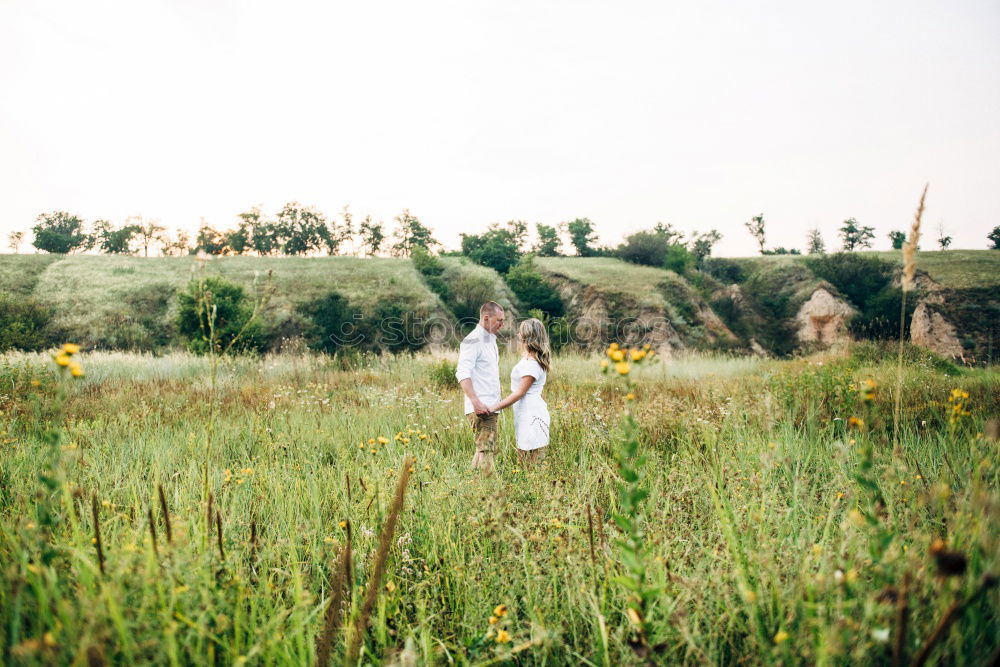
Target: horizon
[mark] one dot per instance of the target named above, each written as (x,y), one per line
(699,116)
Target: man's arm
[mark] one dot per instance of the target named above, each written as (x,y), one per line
(467,355)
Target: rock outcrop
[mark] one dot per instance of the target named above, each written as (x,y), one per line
(930,329)
(822,320)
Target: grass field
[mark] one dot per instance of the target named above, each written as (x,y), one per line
(774,531)
(611,276)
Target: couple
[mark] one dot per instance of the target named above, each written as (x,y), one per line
(478,373)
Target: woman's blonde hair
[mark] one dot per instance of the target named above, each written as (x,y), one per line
(535,340)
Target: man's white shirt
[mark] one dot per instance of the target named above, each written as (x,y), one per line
(479,359)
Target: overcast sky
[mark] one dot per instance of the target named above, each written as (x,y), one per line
(698,113)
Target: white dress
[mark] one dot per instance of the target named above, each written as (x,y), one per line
(531,414)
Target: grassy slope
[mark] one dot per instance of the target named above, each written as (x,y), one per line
(611,276)
(93,295)
(955,269)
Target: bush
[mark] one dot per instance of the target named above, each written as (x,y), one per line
(496,248)
(442,374)
(724,270)
(532,290)
(867,284)
(333,323)
(679,259)
(23,323)
(232,314)
(646,248)
(431,268)
(468,293)
(394,326)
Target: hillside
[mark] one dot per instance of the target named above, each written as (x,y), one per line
(130,302)
(769,305)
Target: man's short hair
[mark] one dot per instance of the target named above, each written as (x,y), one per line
(491,307)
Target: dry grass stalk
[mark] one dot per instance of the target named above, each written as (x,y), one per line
(97,532)
(950,616)
(335,611)
(590,536)
(152,533)
(375,580)
(902,617)
(218,525)
(166,515)
(908,284)
(208,522)
(910,247)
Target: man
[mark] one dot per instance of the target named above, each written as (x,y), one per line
(478,373)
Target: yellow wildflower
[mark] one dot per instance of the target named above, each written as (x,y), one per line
(630,396)
(622,368)
(70,348)
(616,355)
(781,637)
(390,587)
(342,524)
(371,441)
(500,610)
(503,637)
(62,359)
(382,440)
(493,620)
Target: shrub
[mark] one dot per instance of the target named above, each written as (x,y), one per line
(395,325)
(333,323)
(867,284)
(442,374)
(468,293)
(431,268)
(724,270)
(679,259)
(496,248)
(532,290)
(232,314)
(646,248)
(23,324)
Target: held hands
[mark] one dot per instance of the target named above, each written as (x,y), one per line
(480,407)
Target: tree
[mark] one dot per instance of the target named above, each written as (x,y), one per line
(411,232)
(670,233)
(856,236)
(339,234)
(181,245)
(496,248)
(994,238)
(582,236)
(14,240)
(114,241)
(814,242)
(519,230)
(60,232)
(238,239)
(262,236)
(148,232)
(897,238)
(701,245)
(756,228)
(210,240)
(372,235)
(548,241)
(301,229)
(943,241)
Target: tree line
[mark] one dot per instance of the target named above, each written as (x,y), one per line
(304,230)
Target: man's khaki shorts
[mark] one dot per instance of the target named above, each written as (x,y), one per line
(485,429)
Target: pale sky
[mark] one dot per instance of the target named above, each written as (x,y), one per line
(699,113)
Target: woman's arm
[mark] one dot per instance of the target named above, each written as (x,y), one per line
(522,389)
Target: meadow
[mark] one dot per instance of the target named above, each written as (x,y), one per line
(784,523)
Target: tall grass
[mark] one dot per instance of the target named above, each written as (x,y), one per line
(758,526)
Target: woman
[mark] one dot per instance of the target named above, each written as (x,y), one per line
(531,415)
